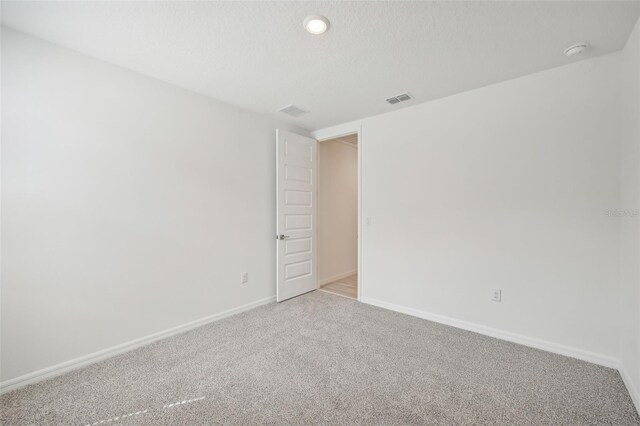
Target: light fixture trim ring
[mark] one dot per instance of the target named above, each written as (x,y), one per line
(316,24)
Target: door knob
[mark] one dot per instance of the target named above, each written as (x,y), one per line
(282,237)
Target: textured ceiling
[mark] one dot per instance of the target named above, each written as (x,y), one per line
(256,55)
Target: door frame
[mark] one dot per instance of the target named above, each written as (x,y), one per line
(336,132)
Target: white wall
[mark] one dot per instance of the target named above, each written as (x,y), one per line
(337,210)
(502,187)
(629,205)
(129,205)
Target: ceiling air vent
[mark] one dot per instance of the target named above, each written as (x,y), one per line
(293,110)
(399,98)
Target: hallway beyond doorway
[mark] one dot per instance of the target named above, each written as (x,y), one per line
(346,287)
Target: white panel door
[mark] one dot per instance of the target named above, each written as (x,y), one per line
(296,214)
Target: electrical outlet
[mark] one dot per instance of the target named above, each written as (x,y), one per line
(496,295)
(244,278)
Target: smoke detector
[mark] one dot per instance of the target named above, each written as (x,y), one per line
(293,110)
(399,98)
(576,49)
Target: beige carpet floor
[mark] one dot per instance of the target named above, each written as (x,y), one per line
(325,359)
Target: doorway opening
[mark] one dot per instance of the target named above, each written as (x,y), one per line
(338,216)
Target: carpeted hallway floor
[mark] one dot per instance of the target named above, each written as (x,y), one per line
(325,359)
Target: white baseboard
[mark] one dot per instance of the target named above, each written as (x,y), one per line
(336,277)
(592,357)
(633,390)
(56,370)
(544,345)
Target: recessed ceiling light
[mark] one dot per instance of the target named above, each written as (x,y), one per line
(316,24)
(576,49)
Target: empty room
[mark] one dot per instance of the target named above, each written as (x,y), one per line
(332,212)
